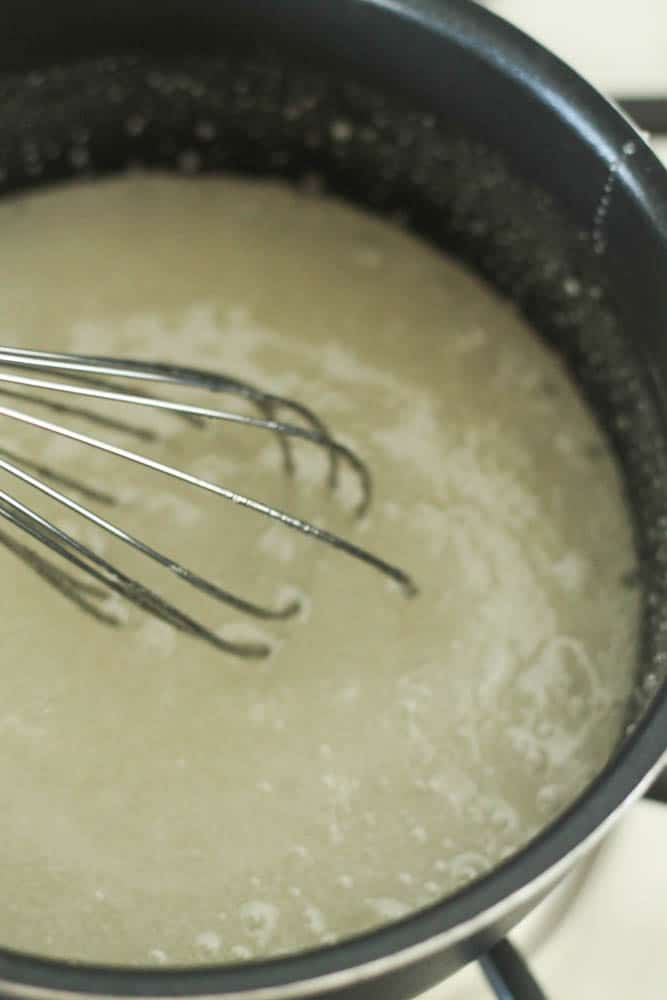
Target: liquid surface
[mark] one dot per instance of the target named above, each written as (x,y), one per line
(163,803)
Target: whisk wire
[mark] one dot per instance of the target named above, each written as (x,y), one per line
(184,574)
(305,527)
(283,429)
(93,378)
(85,366)
(84,595)
(93,565)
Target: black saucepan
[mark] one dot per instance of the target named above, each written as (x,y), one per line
(465,130)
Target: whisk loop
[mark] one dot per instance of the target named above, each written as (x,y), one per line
(95,378)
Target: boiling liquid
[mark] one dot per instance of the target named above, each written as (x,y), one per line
(164,803)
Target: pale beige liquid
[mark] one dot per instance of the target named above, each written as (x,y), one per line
(163,803)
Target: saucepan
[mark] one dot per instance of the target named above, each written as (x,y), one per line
(465,130)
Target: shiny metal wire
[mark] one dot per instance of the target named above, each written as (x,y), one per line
(96,378)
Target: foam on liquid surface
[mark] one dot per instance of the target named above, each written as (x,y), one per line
(165,804)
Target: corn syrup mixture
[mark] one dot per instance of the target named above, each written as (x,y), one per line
(164,803)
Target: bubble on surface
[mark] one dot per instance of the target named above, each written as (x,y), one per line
(260,920)
(341,130)
(206,131)
(386,908)
(79,157)
(209,942)
(135,125)
(189,161)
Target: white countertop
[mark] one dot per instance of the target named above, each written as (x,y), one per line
(620,45)
(602,935)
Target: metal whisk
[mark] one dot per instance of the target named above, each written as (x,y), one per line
(56,377)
